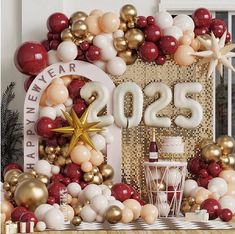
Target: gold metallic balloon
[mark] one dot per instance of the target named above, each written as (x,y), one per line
(42,152)
(51,157)
(191,201)
(128,12)
(64,151)
(31,193)
(50,150)
(79,15)
(158,186)
(97,179)
(11,173)
(131,24)
(89,37)
(135,38)
(44,179)
(211,152)
(68,161)
(95,170)
(120,43)
(13,189)
(60,161)
(224,160)
(231,158)
(113,214)
(58,150)
(33,172)
(77,209)
(66,35)
(123,26)
(79,28)
(6,208)
(13,180)
(129,56)
(6,186)
(76,221)
(107,171)
(185,207)
(205,142)
(8,195)
(226,143)
(88,176)
(108,183)
(195,207)
(25,176)
(78,41)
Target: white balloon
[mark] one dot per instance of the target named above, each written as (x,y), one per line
(108,36)
(173,31)
(57,206)
(184,22)
(162,197)
(41,211)
(172,177)
(116,66)
(67,51)
(118,33)
(54,219)
(99,219)
(163,209)
(106,192)
(55,169)
(227,202)
(155,174)
(116,203)
(99,202)
(218,185)
(100,41)
(107,135)
(98,141)
(68,102)
(58,109)
(88,214)
(108,52)
(43,167)
(189,186)
(101,64)
(57,81)
(40,226)
(74,189)
(52,57)
(48,111)
(163,19)
(91,191)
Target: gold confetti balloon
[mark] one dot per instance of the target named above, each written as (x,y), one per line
(135,38)
(113,214)
(211,152)
(79,15)
(226,143)
(79,28)
(128,12)
(106,171)
(129,56)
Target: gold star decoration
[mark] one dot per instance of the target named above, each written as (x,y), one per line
(216,53)
(79,129)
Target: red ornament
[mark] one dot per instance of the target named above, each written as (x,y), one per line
(31,58)
(79,107)
(93,53)
(204,181)
(142,202)
(133,191)
(74,87)
(46,44)
(194,165)
(84,46)
(168,44)
(28,82)
(150,20)
(148,51)
(141,22)
(228,37)
(43,127)
(172,193)
(54,44)
(152,33)
(226,215)
(203,173)
(17,213)
(161,59)
(214,169)
(66,181)
(72,171)
(11,166)
(51,200)
(121,191)
(29,217)
(54,190)
(212,206)
(201,31)
(57,178)
(218,27)
(202,17)
(57,22)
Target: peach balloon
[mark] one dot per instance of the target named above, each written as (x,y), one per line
(97,12)
(127,215)
(185,40)
(43,99)
(80,154)
(195,44)
(3,218)
(228,176)
(6,208)
(150,219)
(92,22)
(74,201)
(189,33)
(69,198)
(194,191)
(86,166)
(57,94)
(231,190)
(202,195)
(134,206)
(109,22)
(149,209)
(183,55)
(88,147)
(58,81)
(68,211)
(67,80)
(97,158)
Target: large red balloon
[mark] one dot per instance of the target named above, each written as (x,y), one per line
(54,190)
(31,58)
(202,17)
(57,22)
(17,213)
(212,206)
(121,191)
(43,127)
(11,166)
(218,27)
(148,51)
(168,45)
(204,181)
(93,53)
(152,33)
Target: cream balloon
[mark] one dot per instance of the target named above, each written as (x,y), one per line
(108,53)
(163,19)
(91,191)
(185,40)
(41,226)
(54,219)
(109,22)
(43,167)
(98,141)
(56,94)
(88,214)
(195,44)
(231,190)
(97,158)
(101,64)
(134,206)
(189,186)
(92,22)
(52,57)
(127,215)
(172,177)
(184,22)
(228,176)
(99,202)
(202,195)
(67,51)
(86,166)
(41,211)
(174,31)
(74,189)
(218,185)
(227,202)
(163,209)
(48,111)
(183,55)
(149,209)
(116,66)
(80,154)
(68,212)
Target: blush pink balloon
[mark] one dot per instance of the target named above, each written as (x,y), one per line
(109,22)
(183,55)
(92,22)
(80,154)
(57,94)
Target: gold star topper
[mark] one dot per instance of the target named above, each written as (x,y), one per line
(79,129)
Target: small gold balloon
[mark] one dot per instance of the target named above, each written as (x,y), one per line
(60,161)
(50,150)
(13,180)
(158,186)
(33,172)
(42,152)
(224,160)
(95,170)
(185,207)
(57,150)
(88,177)
(120,43)
(89,37)
(11,173)
(6,186)
(79,28)
(8,195)
(108,183)
(191,201)
(205,142)
(66,35)
(13,188)
(231,158)
(64,151)
(51,157)
(123,26)
(106,171)
(131,24)
(128,12)
(78,41)
(195,207)
(226,143)
(77,209)
(211,152)
(25,176)
(79,15)
(129,56)
(97,179)
(135,38)
(76,221)
(113,214)
(44,179)
(31,193)
(68,160)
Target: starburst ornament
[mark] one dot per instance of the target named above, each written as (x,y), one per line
(216,53)
(79,129)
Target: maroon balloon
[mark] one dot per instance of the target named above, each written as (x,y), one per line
(212,206)
(150,20)
(11,166)
(66,181)
(60,122)
(28,82)
(52,141)
(17,213)
(214,169)
(46,44)
(202,17)
(201,31)
(74,87)
(93,53)
(194,165)
(57,178)
(218,27)
(31,58)
(136,196)
(54,44)
(148,51)
(76,180)
(203,173)
(57,22)
(121,191)
(152,33)
(62,140)
(43,127)
(51,200)
(226,215)
(172,193)
(29,217)
(161,59)
(142,202)
(54,190)
(204,181)
(72,171)
(168,45)
(141,22)
(84,46)
(50,36)
(79,107)
(228,37)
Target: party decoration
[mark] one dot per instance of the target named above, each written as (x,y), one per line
(226,215)
(212,206)
(227,144)
(113,214)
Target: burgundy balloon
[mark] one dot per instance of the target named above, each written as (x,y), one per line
(204,181)
(46,44)
(61,140)
(51,200)
(194,165)
(161,59)
(83,184)
(141,22)
(213,208)
(168,44)
(66,181)
(28,82)
(57,22)
(171,193)
(31,58)
(218,27)
(43,127)
(121,191)
(202,17)
(84,46)
(50,36)
(226,215)
(60,122)
(74,87)
(214,169)
(54,190)
(11,166)
(17,213)
(203,173)
(201,31)
(72,171)
(79,107)
(152,33)
(56,36)
(52,141)
(54,44)
(93,53)
(76,180)
(136,196)
(29,217)
(228,37)
(57,178)
(148,51)
(150,20)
